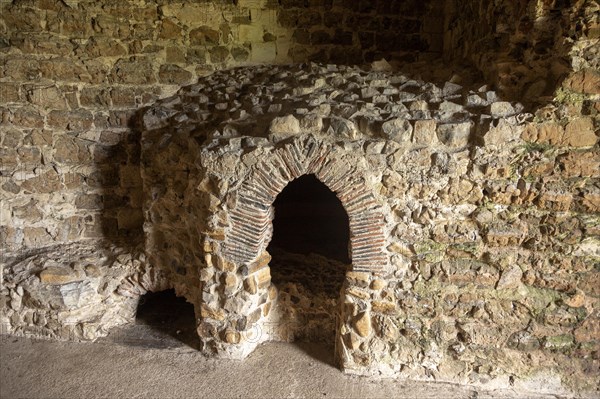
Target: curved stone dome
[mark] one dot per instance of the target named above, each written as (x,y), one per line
(275,102)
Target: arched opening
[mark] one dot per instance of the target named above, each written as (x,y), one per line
(164,320)
(310,259)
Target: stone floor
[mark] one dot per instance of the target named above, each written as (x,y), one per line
(147,360)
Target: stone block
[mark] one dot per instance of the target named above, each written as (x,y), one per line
(133,70)
(64,70)
(211,313)
(76,120)
(27,117)
(240,54)
(122,97)
(342,127)
(36,237)
(69,150)
(384,307)
(204,35)
(263,277)
(579,164)
(263,52)
(362,324)
(250,285)
(47,182)
(580,133)
(502,134)
(501,109)
(586,81)
(169,29)
(218,54)
(399,130)
(425,132)
(173,74)
(49,97)
(454,135)
(88,201)
(510,278)
(94,97)
(284,126)
(554,200)
(60,276)
(104,48)
(9,93)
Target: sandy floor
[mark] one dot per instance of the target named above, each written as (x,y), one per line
(142,365)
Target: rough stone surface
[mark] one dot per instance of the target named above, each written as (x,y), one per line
(467,257)
(478,187)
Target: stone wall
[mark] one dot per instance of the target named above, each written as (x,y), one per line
(72,74)
(486,273)
(515,262)
(526,48)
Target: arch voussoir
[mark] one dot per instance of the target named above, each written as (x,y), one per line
(251,219)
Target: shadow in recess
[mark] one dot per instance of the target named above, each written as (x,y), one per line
(319,351)
(163,320)
(309,262)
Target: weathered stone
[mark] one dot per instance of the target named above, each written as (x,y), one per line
(344,128)
(425,132)
(104,48)
(383,307)
(558,341)
(47,182)
(59,276)
(524,341)
(263,277)
(211,313)
(454,135)
(502,134)
(501,109)
(70,150)
(585,81)
(580,133)
(360,279)
(377,284)
(135,70)
(50,97)
(548,132)
(588,331)
(311,123)
(558,201)
(169,29)
(173,74)
(70,120)
(232,337)
(579,164)
(284,126)
(218,54)
(399,130)
(362,324)
(510,278)
(230,281)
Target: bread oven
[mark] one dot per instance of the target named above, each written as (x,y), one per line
(218,156)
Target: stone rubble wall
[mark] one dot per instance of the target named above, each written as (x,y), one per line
(490,218)
(73,74)
(529,50)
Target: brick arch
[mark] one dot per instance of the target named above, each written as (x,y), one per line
(251,219)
